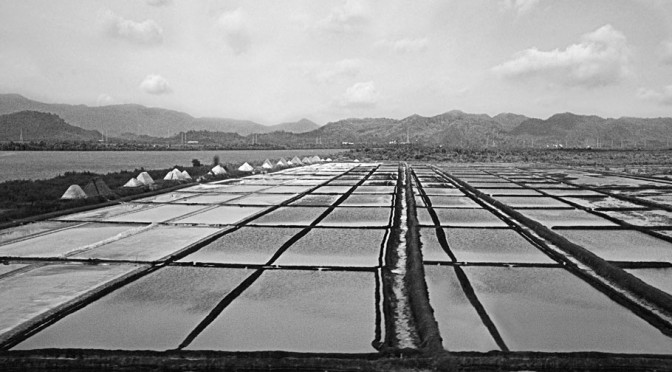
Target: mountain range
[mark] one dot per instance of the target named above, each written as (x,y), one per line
(453,128)
(131,118)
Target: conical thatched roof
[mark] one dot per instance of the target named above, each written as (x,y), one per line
(267,164)
(173,175)
(296,161)
(74,192)
(185,175)
(306,160)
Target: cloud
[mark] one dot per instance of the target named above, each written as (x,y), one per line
(601,58)
(155,84)
(329,73)
(521,7)
(158,2)
(360,95)
(405,45)
(104,100)
(146,32)
(348,17)
(663,97)
(233,26)
(666,52)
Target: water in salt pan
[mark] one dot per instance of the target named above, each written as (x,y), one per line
(602,202)
(301,311)
(643,218)
(452,202)
(32,229)
(9,267)
(493,245)
(65,241)
(528,201)
(316,200)
(521,192)
(168,197)
(358,217)
(374,190)
(156,312)
(150,245)
(659,278)
(247,245)
(205,198)
(460,326)
(224,215)
(100,214)
(262,199)
(549,309)
(368,200)
(332,190)
(27,295)
(440,191)
(161,213)
(290,216)
(460,217)
(565,217)
(335,247)
(286,190)
(621,245)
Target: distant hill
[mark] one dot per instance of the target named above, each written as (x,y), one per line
(131,118)
(39,126)
(589,129)
(509,120)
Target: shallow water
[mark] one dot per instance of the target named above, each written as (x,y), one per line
(316,200)
(224,215)
(493,245)
(335,247)
(9,267)
(203,198)
(31,293)
(156,312)
(100,214)
(358,217)
(602,202)
(452,202)
(566,217)
(161,213)
(461,217)
(290,216)
(150,245)
(659,278)
(61,242)
(524,192)
(31,229)
(531,201)
(643,218)
(368,200)
(262,199)
(247,245)
(548,309)
(621,245)
(303,311)
(460,326)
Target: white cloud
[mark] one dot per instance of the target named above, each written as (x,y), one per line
(405,45)
(104,100)
(666,52)
(155,84)
(663,97)
(158,2)
(233,26)
(601,58)
(348,17)
(146,32)
(329,73)
(519,6)
(363,94)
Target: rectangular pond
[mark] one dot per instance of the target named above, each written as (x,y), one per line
(532,202)
(565,217)
(301,311)
(161,213)
(224,215)
(316,200)
(65,241)
(32,229)
(155,312)
(358,217)
(209,198)
(368,200)
(247,245)
(659,278)
(460,325)
(335,247)
(621,245)
(150,245)
(493,245)
(551,310)
(460,217)
(290,216)
(452,201)
(31,293)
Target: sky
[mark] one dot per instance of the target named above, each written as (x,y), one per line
(276,61)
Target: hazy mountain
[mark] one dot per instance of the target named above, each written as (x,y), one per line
(509,120)
(301,126)
(131,118)
(40,126)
